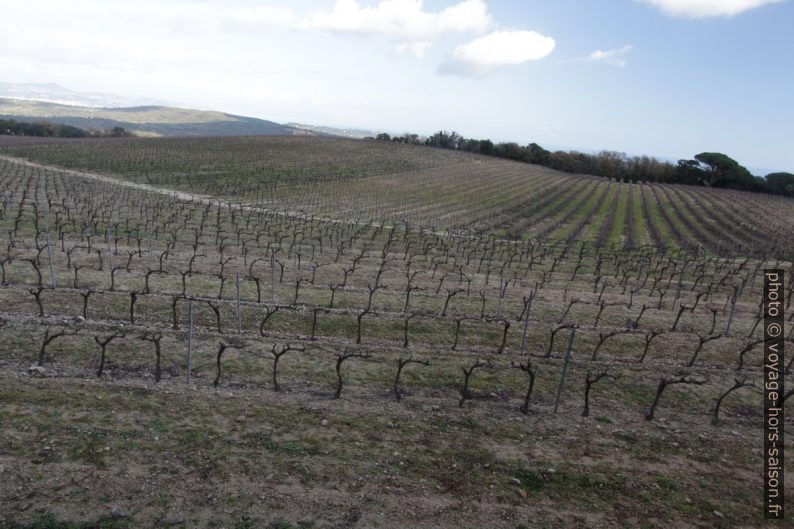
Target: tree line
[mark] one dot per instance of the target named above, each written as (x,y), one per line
(45,129)
(711,169)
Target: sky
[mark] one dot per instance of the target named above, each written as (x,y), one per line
(669,78)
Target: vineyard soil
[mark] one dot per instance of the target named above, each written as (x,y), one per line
(243,457)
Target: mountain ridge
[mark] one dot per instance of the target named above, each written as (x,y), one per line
(144,120)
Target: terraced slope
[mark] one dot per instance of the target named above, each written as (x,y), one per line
(420,186)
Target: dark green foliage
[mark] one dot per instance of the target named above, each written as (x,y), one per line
(445,140)
(68,131)
(537,154)
(10,127)
(711,169)
(688,172)
(720,170)
(17,128)
(780,183)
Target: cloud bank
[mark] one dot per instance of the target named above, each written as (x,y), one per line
(410,26)
(401,19)
(406,22)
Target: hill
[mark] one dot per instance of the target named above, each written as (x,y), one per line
(150,120)
(55,93)
(334,131)
(443,189)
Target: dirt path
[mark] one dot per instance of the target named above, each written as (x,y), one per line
(187,197)
(181,195)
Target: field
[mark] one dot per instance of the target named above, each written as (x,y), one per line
(378,338)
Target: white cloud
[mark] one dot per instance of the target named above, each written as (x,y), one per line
(414,48)
(401,19)
(614,56)
(708,8)
(406,22)
(485,55)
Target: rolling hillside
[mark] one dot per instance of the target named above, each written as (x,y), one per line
(143,120)
(444,189)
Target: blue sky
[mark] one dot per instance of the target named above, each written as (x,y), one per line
(663,77)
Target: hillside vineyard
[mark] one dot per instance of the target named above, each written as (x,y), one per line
(370,272)
(425,187)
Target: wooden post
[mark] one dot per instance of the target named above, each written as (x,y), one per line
(678,290)
(499,299)
(564,370)
(295,268)
(237,284)
(733,312)
(43,197)
(49,257)
(526,322)
(189,339)
(273,277)
(110,252)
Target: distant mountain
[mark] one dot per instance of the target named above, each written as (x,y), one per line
(142,116)
(54,93)
(147,120)
(333,131)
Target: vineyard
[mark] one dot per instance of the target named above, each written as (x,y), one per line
(317,332)
(433,188)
